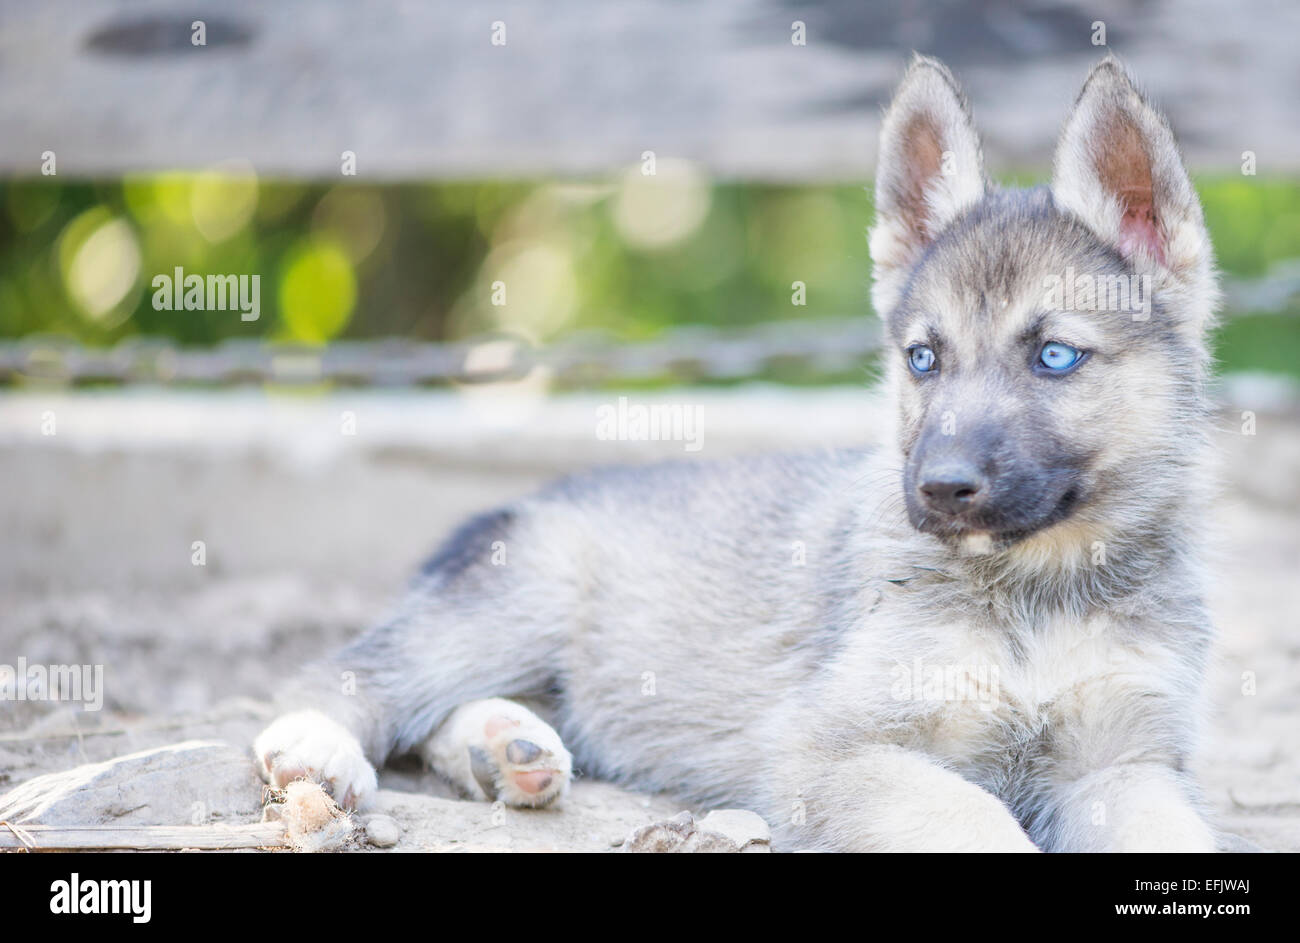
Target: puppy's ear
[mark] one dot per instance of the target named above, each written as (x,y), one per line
(1118,169)
(930,170)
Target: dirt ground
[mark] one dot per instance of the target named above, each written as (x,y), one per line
(310,534)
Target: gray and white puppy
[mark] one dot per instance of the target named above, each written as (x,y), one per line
(994,638)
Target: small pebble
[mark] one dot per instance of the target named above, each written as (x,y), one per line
(743,827)
(382,831)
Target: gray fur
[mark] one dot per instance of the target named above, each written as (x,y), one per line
(769,603)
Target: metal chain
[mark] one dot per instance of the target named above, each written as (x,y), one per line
(682,353)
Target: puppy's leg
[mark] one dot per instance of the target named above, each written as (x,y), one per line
(499,749)
(1127,807)
(308,745)
(886,798)
(469,629)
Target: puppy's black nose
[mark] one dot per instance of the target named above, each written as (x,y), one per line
(952,490)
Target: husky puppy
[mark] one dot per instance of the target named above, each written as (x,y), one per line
(993,638)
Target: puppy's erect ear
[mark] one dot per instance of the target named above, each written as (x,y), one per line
(1118,170)
(930,170)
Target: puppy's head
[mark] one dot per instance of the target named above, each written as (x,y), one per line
(1046,348)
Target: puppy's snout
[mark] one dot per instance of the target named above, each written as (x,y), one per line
(953,488)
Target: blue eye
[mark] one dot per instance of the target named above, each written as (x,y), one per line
(921,358)
(1059,357)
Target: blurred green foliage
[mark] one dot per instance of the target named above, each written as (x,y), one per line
(449,260)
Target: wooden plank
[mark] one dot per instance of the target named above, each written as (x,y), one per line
(579,88)
(141,837)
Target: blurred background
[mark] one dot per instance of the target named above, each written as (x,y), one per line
(474,227)
(623,172)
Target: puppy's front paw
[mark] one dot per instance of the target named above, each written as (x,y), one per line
(308,745)
(1169,831)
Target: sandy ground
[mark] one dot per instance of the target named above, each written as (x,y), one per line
(310,534)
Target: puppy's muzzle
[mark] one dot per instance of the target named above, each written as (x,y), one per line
(952,488)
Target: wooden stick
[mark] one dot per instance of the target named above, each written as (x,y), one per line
(143,837)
